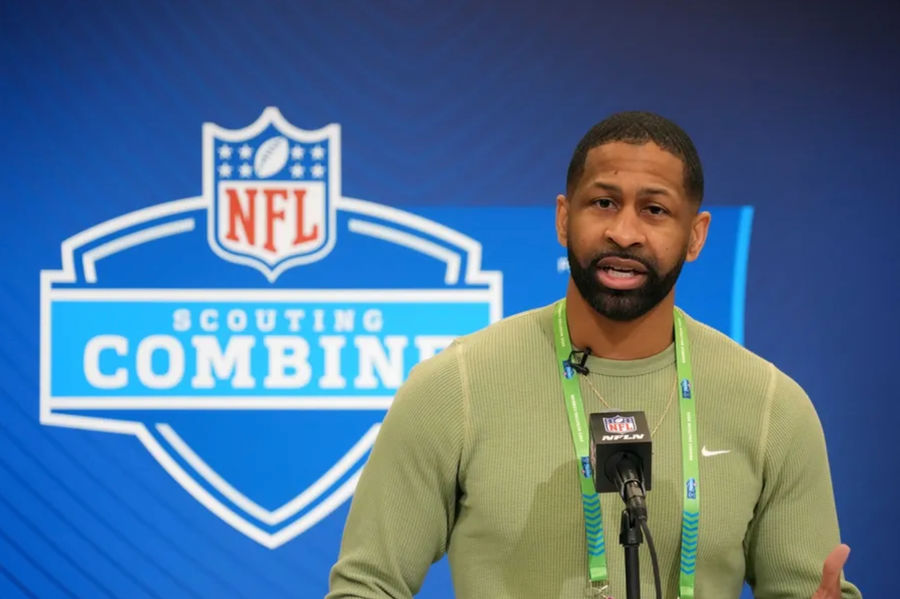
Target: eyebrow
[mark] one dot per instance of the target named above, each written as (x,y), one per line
(643,191)
(607,186)
(654,191)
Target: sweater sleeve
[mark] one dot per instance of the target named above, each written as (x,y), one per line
(404,506)
(795,522)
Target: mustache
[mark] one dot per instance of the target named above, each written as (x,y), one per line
(647,263)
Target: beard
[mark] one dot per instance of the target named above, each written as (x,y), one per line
(623,304)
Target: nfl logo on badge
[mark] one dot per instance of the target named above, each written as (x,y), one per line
(271,190)
(619,424)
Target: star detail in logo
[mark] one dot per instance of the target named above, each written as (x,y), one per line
(246,170)
(709,453)
(296,152)
(318,153)
(224,170)
(224,152)
(318,171)
(296,171)
(245,151)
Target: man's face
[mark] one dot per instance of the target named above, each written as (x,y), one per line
(629,226)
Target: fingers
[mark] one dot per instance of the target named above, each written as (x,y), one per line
(831,571)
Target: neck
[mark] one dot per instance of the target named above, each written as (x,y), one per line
(639,338)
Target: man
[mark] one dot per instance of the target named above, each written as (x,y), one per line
(476,456)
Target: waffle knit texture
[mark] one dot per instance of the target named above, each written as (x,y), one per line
(475,459)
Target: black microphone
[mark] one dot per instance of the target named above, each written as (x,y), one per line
(621,454)
(578,359)
(620,457)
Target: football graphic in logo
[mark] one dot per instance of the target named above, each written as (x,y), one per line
(271,157)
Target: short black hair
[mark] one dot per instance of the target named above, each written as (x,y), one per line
(638,127)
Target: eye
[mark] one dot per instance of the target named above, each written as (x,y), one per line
(656,210)
(602,202)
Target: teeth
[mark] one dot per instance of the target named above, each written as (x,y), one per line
(621,274)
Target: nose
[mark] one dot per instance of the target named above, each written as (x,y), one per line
(625,229)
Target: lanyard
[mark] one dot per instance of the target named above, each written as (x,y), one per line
(593,519)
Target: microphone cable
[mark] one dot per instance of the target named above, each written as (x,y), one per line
(653,559)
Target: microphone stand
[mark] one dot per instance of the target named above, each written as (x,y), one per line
(630,537)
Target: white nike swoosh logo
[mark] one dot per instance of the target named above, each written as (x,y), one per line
(707,453)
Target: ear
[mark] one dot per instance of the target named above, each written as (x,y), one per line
(699,228)
(562,220)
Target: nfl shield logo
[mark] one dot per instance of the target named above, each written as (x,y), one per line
(619,424)
(271,189)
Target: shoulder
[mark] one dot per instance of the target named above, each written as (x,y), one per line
(718,357)
(741,373)
(710,346)
(524,330)
(755,403)
(527,330)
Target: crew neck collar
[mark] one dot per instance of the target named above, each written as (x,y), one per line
(609,367)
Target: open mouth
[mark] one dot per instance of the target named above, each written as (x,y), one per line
(621,273)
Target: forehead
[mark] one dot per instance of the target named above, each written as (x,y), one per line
(642,163)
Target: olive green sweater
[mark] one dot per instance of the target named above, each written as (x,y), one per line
(475,459)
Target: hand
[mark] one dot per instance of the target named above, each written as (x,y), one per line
(830,588)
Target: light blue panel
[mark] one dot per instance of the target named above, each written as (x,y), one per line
(75,323)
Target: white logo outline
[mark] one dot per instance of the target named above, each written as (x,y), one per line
(376,215)
(460,254)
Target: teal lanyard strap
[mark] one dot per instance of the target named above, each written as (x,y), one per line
(690,467)
(593,519)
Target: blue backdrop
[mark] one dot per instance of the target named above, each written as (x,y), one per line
(465,114)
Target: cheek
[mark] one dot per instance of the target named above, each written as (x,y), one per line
(583,245)
(668,248)
(584,233)
(675,250)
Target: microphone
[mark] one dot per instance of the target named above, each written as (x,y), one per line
(620,457)
(621,454)
(578,363)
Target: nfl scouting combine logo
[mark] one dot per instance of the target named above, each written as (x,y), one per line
(252,338)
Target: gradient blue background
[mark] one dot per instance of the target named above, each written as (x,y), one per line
(794,108)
